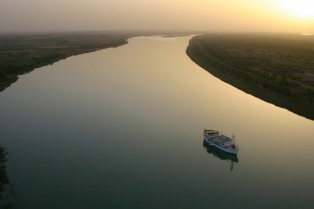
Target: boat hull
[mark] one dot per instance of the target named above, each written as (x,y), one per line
(220,153)
(231,151)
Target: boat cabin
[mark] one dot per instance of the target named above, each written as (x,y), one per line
(211,132)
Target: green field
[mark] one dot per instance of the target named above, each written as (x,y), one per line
(20,54)
(276,68)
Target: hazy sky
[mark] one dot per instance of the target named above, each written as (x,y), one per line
(204,15)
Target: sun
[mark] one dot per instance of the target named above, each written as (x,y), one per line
(298,8)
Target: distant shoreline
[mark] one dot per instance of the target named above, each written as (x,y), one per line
(284,88)
(22,54)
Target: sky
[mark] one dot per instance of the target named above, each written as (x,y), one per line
(174,15)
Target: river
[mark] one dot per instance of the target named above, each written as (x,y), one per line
(122,128)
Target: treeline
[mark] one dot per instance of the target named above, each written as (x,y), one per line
(5,189)
(275,68)
(3,174)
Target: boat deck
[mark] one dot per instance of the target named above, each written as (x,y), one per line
(220,139)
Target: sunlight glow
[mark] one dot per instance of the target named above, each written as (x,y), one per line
(299,8)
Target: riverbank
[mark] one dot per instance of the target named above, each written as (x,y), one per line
(3,174)
(4,181)
(20,54)
(276,68)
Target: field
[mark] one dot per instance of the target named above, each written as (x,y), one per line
(21,53)
(276,68)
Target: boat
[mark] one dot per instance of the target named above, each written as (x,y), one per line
(222,155)
(222,142)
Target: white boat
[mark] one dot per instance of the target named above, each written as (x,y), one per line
(222,155)
(222,142)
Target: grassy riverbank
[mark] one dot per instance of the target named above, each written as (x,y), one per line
(21,53)
(276,68)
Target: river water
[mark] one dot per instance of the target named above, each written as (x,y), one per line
(122,128)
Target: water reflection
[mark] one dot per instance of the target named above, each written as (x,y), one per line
(221,154)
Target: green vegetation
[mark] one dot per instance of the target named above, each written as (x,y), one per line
(276,68)
(3,175)
(4,180)
(20,54)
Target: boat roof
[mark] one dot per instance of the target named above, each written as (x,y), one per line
(210,131)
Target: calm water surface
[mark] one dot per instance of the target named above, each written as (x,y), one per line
(122,128)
